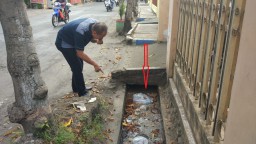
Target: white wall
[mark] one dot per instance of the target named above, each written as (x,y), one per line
(241,123)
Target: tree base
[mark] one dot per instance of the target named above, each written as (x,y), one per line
(38,119)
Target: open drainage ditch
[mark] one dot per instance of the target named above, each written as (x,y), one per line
(142,120)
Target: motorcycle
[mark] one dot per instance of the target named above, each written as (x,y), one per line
(117,2)
(109,4)
(59,14)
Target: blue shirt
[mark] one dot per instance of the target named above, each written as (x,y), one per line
(76,34)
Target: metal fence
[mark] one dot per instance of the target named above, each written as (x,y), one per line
(207,47)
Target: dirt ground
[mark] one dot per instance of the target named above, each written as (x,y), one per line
(114,54)
(110,57)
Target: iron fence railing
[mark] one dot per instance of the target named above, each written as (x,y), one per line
(207,47)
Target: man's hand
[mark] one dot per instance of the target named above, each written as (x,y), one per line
(99,42)
(94,40)
(97,68)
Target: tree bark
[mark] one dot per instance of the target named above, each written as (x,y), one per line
(31,103)
(135,8)
(128,16)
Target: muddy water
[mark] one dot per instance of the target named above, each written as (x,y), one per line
(142,123)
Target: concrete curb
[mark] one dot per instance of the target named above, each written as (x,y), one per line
(187,131)
(144,41)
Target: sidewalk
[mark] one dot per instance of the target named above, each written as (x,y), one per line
(146,27)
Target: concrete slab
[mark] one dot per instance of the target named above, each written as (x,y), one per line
(146,12)
(146,29)
(145,36)
(156,54)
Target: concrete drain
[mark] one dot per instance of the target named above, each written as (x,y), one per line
(142,119)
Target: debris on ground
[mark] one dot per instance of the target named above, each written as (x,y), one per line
(92,100)
(141,98)
(80,105)
(140,140)
(142,121)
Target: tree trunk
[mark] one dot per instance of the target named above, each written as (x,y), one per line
(128,16)
(31,103)
(135,8)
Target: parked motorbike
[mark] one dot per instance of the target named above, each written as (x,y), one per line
(117,2)
(60,14)
(109,4)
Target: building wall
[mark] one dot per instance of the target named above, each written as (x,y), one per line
(153,7)
(163,11)
(241,123)
(172,36)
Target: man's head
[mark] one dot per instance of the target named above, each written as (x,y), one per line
(99,30)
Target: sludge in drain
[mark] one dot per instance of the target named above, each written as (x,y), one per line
(142,119)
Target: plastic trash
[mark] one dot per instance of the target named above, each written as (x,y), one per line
(79,105)
(129,119)
(143,107)
(92,100)
(140,140)
(142,98)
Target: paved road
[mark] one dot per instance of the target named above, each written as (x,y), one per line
(55,71)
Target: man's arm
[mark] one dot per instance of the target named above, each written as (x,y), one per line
(87,59)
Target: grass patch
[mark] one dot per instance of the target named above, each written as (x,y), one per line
(87,128)
(93,131)
(64,135)
(56,134)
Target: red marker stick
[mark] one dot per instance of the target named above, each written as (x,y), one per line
(145,67)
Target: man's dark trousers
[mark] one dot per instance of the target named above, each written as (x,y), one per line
(76,65)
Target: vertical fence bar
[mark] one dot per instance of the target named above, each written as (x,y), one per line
(196,43)
(197,46)
(184,34)
(182,31)
(207,56)
(204,41)
(207,76)
(179,33)
(192,41)
(200,61)
(229,63)
(188,35)
(218,49)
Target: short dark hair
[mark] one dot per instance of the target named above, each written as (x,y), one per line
(100,27)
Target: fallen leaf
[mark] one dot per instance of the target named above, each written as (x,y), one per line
(125,124)
(95,90)
(10,131)
(107,135)
(79,124)
(110,139)
(155,132)
(110,119)
(78,111)
(68,123)
(76,130)
(110,113)
(68,96)
(110,102)
(109,130)
(118,58)
(103,76)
